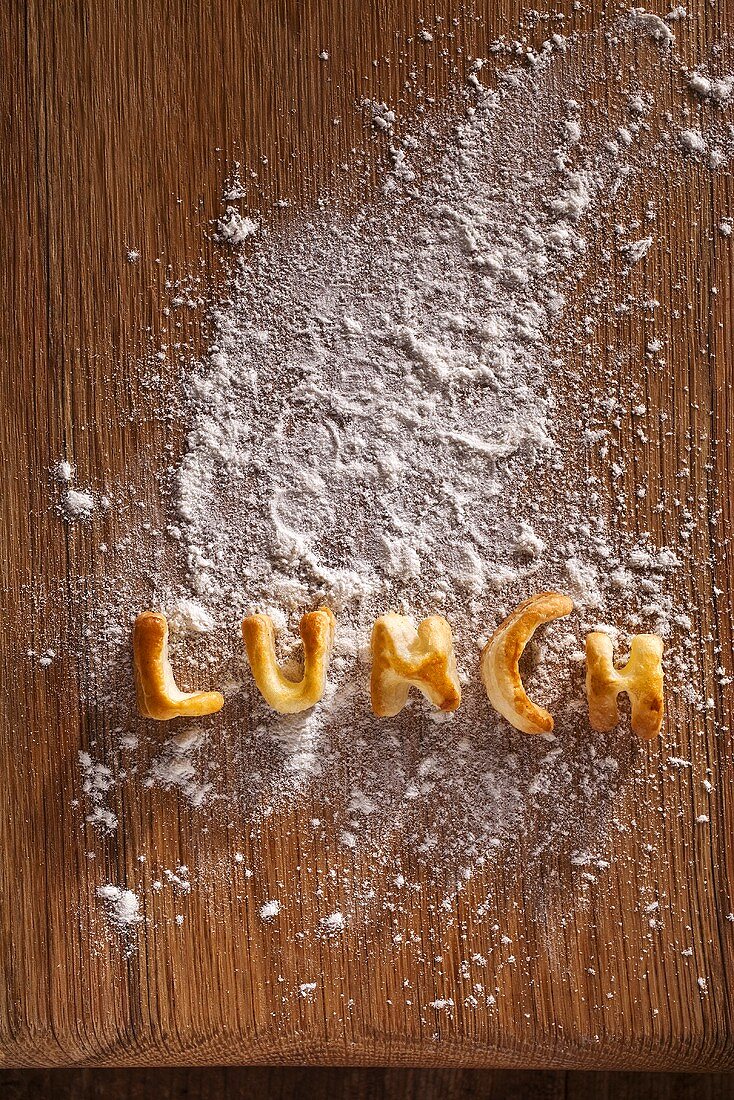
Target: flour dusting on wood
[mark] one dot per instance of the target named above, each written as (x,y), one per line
(400,410)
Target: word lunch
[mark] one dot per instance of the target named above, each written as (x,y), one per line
(406,656)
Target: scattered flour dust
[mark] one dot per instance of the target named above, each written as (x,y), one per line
(333,924)
(177,766)
(97,779)
(234,229)
(77,504)
(394,414)
(122,906)
(269,910)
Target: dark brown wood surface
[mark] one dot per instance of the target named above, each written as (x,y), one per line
(120,122)
(359,1084)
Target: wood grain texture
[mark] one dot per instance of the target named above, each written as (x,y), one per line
(119,124)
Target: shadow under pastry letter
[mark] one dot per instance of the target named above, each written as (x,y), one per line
(282,694)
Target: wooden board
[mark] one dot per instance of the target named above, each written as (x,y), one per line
(120,122)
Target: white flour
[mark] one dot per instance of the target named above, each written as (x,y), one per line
(123,906)
(269,910)
(234,229)
(76,504)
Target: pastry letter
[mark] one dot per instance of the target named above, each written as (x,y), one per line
(500,661)
(158,696)
(641,678)
(403,657)
(284,695)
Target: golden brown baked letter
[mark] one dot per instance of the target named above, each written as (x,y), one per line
(500,661)
(283,694)
(641,678)
(405,657)
(158,695)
